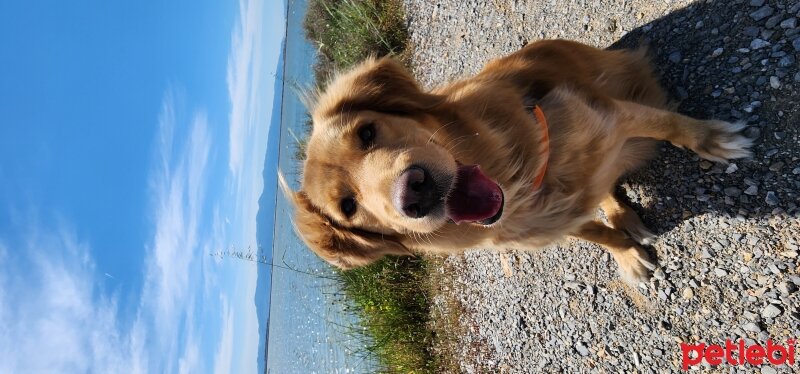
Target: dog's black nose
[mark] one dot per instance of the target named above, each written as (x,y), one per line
(415,193)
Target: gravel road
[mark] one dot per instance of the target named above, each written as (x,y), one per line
(728,234)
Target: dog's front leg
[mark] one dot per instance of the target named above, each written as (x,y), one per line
(633,261)
(713,140)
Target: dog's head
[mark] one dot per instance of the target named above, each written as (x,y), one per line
(374,173)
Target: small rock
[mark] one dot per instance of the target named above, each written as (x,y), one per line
(675,57)
(786,61)
(750,31)
(789,23)
(768,370)
(717,52)
(732,191)
(752,190)
(771,198)
(796,44)
(789,254)
(776,167)
(756,2)
(720,272)
(582,349)
(771,311)
(687,293)
(774,82)
(732,168)
(762,13)
(786,288)
(758,43)
(773,21)
(659,274)
(751,327)
(573,285)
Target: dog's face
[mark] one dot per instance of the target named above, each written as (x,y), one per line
(375,174)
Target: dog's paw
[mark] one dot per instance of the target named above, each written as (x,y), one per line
(633,226)
(722,141)
(635,264)
(641,235)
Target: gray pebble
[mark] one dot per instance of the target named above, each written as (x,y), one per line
(752,190)
(762,13)
(773,21)
(758,43)
(751,31)
(581,349)
(789,23)
(768,370)
(771,198)
(774,82)
(786,287)
(771,311)
(675,57)
(776,167)
(732,191)
(751,327)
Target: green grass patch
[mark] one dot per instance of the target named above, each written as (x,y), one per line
(390,298)
(347,31)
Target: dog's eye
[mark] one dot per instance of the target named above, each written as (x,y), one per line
(348,206)
(367,134)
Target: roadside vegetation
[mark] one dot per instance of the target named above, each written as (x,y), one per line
(347,31)
(390,297)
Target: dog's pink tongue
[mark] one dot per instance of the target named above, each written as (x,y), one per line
(475,196)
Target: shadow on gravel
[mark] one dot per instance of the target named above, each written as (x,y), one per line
(730,60)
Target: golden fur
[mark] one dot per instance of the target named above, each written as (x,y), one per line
(604,109)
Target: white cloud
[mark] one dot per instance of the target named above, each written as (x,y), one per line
(224,356)
(189,361)
(174,274)
(54,318)
(244,69)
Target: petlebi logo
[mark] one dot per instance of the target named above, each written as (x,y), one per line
(738,353)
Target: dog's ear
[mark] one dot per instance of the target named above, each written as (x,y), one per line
(381,85)
(343,247)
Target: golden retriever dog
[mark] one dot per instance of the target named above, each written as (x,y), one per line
(516,157)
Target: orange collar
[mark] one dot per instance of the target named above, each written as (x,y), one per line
(545,139)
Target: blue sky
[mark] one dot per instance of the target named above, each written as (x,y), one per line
(131,147)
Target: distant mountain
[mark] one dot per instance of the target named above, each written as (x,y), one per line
(266,215)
